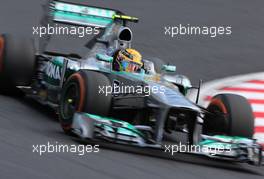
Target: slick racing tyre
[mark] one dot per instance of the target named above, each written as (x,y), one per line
(81,94)
(17,62)
(231,115)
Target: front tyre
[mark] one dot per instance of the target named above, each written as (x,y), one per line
(81,94)
(231,115)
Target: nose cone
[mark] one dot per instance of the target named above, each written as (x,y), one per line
(171,97)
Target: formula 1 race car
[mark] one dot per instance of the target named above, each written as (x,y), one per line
(94,101)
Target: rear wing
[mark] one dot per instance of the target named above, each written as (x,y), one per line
(56,11)
(83,15)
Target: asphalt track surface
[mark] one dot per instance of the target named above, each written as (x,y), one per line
(24,123)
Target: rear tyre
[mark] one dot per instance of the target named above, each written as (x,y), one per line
(17,62)
(81,94)
(231,115)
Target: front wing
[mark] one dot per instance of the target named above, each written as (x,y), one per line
(237,149)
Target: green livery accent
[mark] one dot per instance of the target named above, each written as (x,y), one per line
(81,15)
(104,58)
(118,126)
(169,68)
(58,61)
(228,142)
(61,16)
(81,9)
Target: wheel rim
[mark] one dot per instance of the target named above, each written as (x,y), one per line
(70,101)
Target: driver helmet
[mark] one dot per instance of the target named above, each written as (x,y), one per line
(129,60)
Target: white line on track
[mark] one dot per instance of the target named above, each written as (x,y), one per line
(259,122)
(259,137)
(249,95)
(249,86)
(258,107)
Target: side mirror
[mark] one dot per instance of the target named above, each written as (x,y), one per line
(168,68)
(104,58)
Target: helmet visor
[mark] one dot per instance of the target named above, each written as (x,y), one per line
(129,66)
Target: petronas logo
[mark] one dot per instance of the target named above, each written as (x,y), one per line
(53,71)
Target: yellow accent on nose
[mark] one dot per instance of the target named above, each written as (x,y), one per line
(70,100)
